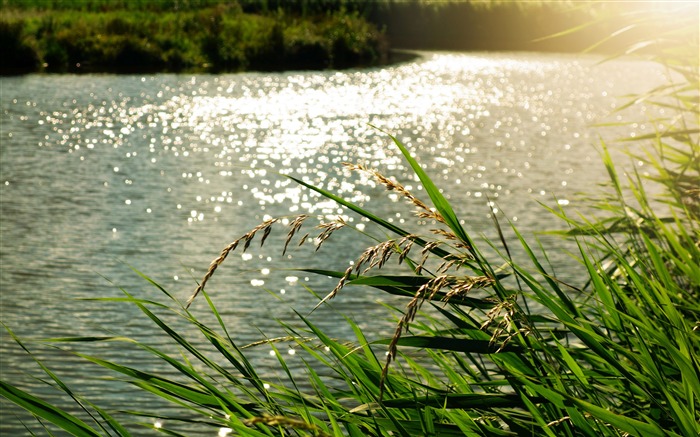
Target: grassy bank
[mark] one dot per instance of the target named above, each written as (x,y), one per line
(216,38)
(216,35)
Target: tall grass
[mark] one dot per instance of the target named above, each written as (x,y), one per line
(617,354)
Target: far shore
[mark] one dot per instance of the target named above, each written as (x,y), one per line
(113,36)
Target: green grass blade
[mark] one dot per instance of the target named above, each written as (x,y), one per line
(484,401)
(374,218)
(452,344)
(439,201)
(47,411)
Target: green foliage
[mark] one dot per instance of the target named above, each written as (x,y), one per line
(111,5)
(16,45)
(336,33)
(618,355)
(221,38)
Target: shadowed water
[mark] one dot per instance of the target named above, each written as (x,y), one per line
(103,172)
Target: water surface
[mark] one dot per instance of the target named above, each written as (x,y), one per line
(101,173)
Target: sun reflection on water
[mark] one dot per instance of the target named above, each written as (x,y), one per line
(163,171)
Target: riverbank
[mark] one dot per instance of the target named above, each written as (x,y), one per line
(214,36)
(210,39)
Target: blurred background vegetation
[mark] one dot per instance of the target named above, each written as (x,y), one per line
(206,35)
(220,35)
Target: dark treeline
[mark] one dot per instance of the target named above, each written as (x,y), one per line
(463,25)
(468,26)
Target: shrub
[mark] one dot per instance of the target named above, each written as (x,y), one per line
(19,52)
(353,41)
(221,38)
(304,47)
(128,53)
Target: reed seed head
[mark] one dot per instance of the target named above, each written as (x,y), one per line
(285,422)
(423,210)
(248,238)
(294,226)
(327,230)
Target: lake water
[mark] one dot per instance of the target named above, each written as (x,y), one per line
(101,173)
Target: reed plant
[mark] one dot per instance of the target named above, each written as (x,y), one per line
(483,345)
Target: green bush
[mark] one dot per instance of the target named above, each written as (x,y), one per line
(19,52)
(352,40)
(220,38)
(305,46)
(55,56)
